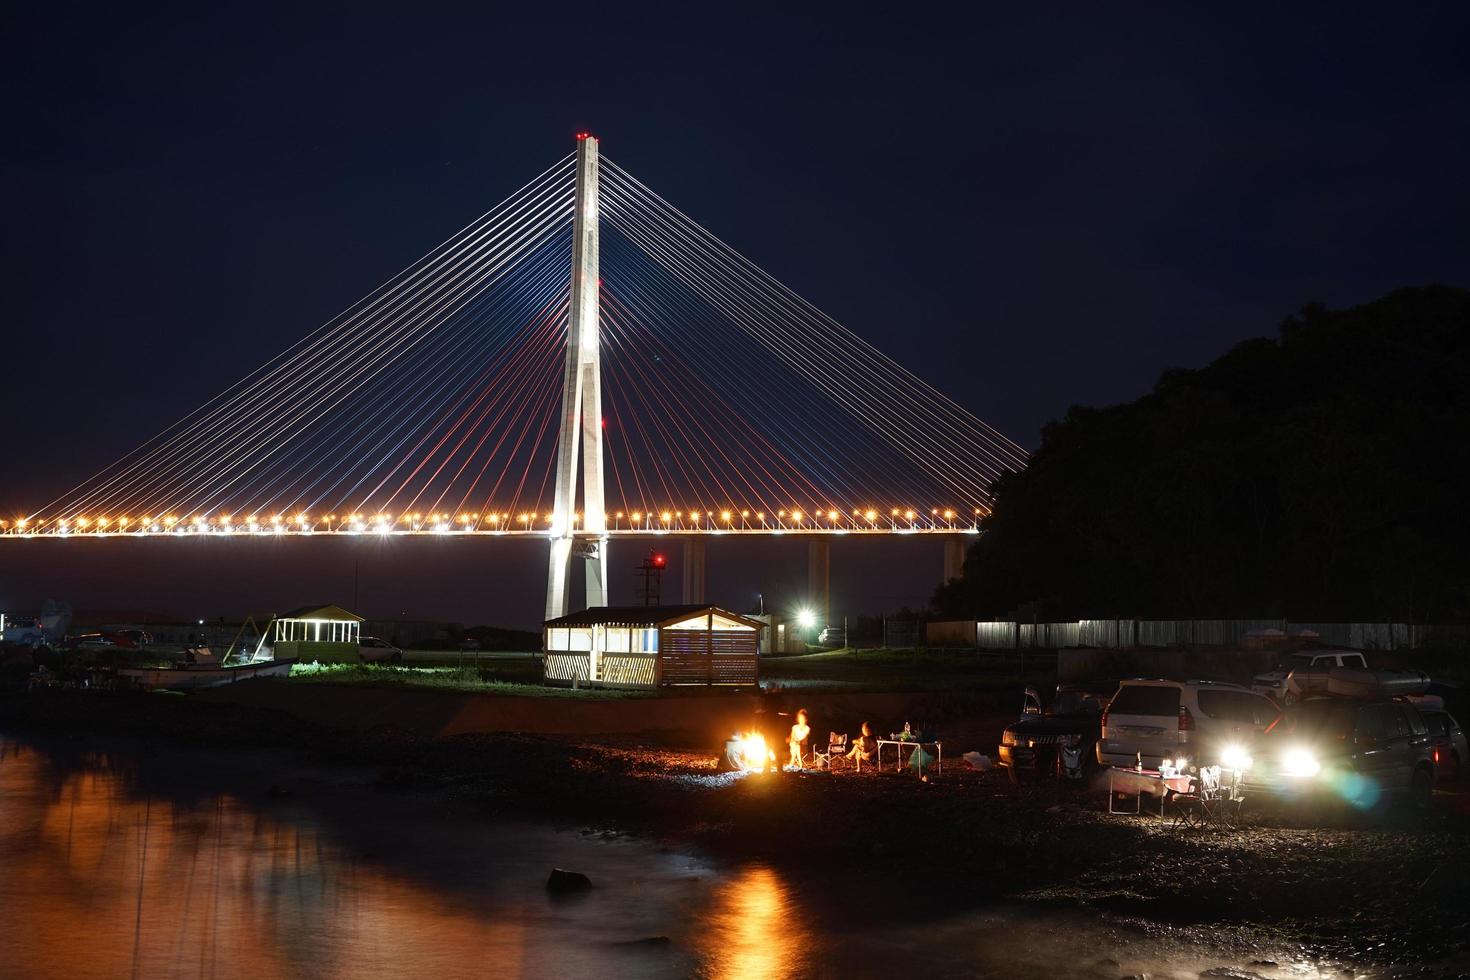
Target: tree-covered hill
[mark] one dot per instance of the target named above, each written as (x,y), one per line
(1321,475)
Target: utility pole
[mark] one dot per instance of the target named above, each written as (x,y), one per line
(652,568)
(581,410)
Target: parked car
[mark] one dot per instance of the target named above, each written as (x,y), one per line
(1273,683)
(1154,720)
(1450,750)
(25,631)
(372,650)
(832,636)
(89,641)
(1352,750)
(1034,744)
(132,639)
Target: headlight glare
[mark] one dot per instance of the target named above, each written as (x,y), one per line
(1235,757)
(1300,762)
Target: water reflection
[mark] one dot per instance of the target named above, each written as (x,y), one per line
(756,929)
(101,877)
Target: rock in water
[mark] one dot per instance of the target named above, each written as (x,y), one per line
(563,882)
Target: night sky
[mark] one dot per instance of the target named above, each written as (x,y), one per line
(1030,209)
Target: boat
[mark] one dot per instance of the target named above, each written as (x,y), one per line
(203,669)
(182,677)
(1355,682)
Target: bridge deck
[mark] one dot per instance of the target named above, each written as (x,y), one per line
(537,533)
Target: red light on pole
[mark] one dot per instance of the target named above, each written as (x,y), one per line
(652,570)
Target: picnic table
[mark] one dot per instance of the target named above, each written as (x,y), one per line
(1136,782)
(900,743)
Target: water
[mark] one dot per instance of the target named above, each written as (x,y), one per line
(144,861)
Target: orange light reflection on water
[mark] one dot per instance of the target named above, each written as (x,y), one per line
(757,929)
(102,882)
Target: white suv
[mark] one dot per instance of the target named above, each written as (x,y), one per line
(1198,720)
(1273,683)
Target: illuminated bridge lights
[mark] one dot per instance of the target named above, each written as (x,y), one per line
(527,524)
(684,519)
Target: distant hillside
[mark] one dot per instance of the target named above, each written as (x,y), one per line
(1321,475)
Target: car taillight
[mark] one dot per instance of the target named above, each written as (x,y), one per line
(1436,755)
(1186,720)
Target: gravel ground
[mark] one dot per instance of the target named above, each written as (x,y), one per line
(1380,888)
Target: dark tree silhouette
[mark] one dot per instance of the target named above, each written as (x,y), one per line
(1322,475)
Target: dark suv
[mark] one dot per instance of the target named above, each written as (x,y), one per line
(1349,750)
(1034,743)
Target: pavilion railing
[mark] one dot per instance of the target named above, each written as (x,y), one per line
(567,667)
(628,669)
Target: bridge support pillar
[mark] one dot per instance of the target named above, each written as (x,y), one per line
(819,579)
(693,570)
(954,559)
(581,410)
(559,577)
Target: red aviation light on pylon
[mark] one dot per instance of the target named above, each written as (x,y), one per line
(659,560)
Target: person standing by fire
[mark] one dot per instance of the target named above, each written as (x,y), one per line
(801,732)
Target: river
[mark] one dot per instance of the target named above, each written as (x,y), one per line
(143,860)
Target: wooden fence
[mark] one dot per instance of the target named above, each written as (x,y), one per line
(1127,634)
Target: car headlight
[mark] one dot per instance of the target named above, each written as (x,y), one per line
(1300,762)
(1235,757)
(1008,737)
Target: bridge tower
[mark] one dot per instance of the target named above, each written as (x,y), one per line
(581,412)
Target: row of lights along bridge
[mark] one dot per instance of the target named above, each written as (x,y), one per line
(895,520)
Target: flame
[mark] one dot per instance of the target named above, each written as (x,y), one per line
(753,752)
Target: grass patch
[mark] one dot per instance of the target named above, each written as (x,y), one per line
(932,668)
(514,679)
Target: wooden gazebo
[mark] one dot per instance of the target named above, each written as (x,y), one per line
(651,646)
(327,634)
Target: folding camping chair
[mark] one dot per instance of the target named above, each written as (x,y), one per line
(836,746)
(1184,810)
(1229,800)
(1207,803)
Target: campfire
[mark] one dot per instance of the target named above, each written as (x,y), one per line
(750,751)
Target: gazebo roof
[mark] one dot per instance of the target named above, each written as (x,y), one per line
(645,616)
(336,613)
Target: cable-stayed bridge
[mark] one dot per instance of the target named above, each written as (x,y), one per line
(582,362)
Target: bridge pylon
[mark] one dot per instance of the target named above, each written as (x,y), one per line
(581,412)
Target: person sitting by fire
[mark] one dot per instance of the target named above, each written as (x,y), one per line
(864,747)
(801,733)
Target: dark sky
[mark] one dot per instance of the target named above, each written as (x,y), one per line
(1030,209)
